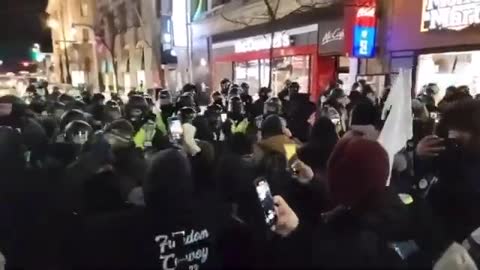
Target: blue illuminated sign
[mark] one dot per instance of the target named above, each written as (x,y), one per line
(364,42)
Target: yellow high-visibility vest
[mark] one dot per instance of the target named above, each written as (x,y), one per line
(240,127)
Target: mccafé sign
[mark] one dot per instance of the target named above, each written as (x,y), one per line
(449,14)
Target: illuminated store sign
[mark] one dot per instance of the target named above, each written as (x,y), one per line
(449,14)
(364,33)
(333,35)
(262,43)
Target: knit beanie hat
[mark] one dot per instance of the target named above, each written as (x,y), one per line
(272,126)
(357,172)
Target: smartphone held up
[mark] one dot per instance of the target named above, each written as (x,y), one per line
(176,129)
(266,200)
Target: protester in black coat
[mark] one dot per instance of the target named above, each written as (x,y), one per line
(316,152)
(455,162)
(257,107)
(301,108)
(359,233)
(173,226)
(27,225)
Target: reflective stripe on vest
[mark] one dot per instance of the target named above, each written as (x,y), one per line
(240,127)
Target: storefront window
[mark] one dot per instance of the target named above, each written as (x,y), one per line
(78,77)
(293,68)
(256,73)
(253,74)
(240,71)
(264,72)
(248,72)
(301,72)
(446,69)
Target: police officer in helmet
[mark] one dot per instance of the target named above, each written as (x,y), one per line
(237,121)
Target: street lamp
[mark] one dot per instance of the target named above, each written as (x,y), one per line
(1,62)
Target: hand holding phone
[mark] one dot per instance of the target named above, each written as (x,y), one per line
(287,221)
(266,200)
(430,146)
(302,172)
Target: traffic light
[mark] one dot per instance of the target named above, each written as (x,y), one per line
(36,54)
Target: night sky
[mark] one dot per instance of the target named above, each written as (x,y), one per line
(22,23)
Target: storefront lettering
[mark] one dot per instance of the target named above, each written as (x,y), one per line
(335,35)
(450,14)
(262,43)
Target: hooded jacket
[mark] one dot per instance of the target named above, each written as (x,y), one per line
(173,228)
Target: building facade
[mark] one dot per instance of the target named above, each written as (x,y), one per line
(74,45)
(438,40)
(311,42)
(129,44)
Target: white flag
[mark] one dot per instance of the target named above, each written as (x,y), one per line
(398,128)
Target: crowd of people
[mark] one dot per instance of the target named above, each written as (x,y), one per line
(162,182)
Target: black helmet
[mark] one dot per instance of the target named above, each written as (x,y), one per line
(31,90)
(224,81)
(294,88)
(137,102)
(214,109)
(38,105)
(112,104)
(57,105)
(186,100)
(235,105)
(66,99)
(11,109)
(136,108)
(119,133)
(264,93)
(165,94)
(189,88)
(57,109)
(165,97)
(273,106)
(71,116)
(217,95)
(150,101)
(116,97)
(78,132)
(113,110)
(187,114)
(98,98)
(234,91)
(79,105)
(225,86)
(86,96)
